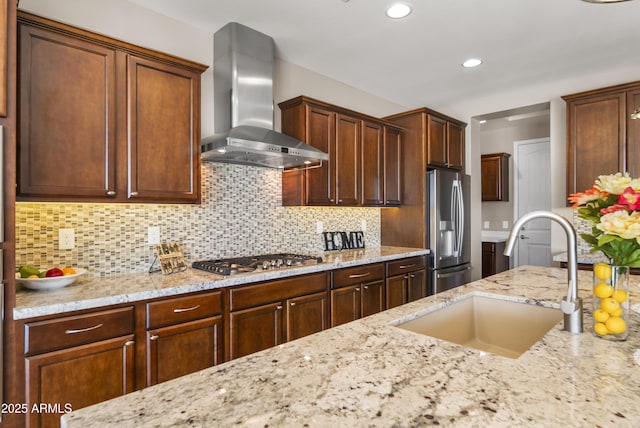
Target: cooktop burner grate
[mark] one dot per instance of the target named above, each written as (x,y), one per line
(235,265)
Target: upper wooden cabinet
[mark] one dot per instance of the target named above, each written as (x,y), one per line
(104,121)
(4,57)
(601,139)
(495,176)
(429,139)
(364,155)
(445,142)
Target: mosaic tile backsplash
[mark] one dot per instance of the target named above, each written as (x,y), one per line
(241,213)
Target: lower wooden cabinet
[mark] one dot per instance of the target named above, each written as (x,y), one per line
(75,361)
(493,261)
(184,335)
(406,281)
(357,292)
(271,313)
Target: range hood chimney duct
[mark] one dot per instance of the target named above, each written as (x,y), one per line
(244,107)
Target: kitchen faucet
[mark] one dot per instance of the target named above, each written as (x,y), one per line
(571,305)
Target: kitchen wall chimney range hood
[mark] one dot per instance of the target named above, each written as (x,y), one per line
(244,107)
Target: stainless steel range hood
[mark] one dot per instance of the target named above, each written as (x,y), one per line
(244,107)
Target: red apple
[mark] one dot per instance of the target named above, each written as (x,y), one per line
(54,272)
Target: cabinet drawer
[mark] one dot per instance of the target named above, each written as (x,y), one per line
(182,309)
(43,336)
(274,291)
(358,275)
(398,267)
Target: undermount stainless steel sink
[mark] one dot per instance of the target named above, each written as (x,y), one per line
(488,323)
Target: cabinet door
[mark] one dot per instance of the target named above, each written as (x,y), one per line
(181,349)
(306,315)
(455,146)
(255,329)
(4,66)
(416,285)
(163,146)
(320,182)
(345,305)
(79,377)
(436,141)
(347,159)
(372,298)
(392,167)
(67,116)
(633,134)
(372,154)
(396,292)
(595,139)
(495,177)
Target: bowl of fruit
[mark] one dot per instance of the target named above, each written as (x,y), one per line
(47,279)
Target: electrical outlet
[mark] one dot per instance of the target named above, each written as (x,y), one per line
(486,225)
(319,227)
(505,224)
(153,235)
(363,225)
(66,239)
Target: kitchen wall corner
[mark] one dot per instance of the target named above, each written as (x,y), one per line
(241,213)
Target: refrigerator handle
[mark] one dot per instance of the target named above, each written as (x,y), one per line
(461,218)
(458,219)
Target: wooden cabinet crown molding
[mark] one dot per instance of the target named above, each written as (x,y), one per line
(59,27)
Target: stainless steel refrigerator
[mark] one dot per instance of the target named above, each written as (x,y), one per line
(448,229)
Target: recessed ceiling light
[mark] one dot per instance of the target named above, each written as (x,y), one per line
(398,10)
(472,62)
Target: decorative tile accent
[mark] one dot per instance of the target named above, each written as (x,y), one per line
(241,213)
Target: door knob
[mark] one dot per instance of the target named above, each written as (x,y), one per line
(524,237)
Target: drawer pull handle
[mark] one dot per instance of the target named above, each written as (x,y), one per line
(154,337)
(407,266)
(359,275)
(180,310)
(82,330)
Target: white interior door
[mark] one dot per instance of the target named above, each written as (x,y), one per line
(532,185)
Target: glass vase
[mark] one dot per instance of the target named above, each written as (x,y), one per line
(610,301)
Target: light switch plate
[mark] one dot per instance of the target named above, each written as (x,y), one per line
(319,227)
(486,225)
(153,235)
(363,225)
(505,224)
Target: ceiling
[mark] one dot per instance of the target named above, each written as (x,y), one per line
(416,61)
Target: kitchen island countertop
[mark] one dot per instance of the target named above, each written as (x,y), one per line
(91,292)
(369,373)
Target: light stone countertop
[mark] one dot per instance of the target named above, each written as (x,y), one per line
(92,292)
(369,373)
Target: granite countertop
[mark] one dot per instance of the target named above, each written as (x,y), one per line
(584,258)
(494,236)
(91,292)
(369,373)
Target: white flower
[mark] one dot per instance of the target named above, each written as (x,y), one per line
(622,224)
(616,183)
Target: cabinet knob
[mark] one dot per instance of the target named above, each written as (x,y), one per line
(154,337)
(134,193)
(292,303)
(279,307)
(406,277)
(357,288)
(129,343)
(339,200)
(111,192)
(366,287)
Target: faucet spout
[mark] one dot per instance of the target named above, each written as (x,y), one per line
(571,305)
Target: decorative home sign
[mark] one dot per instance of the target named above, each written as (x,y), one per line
(336,241)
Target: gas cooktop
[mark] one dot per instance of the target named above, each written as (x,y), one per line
(235,265)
